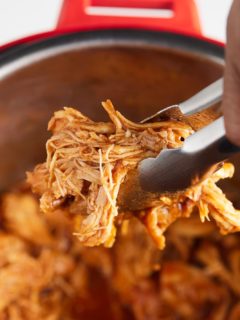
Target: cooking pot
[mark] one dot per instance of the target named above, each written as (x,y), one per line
(149,59)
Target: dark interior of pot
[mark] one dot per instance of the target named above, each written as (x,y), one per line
(138,79)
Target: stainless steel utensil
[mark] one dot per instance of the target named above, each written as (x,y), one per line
(174,169)
(202,100)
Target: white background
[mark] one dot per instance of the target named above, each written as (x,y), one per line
(19,18)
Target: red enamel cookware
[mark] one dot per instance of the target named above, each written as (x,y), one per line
(142,54)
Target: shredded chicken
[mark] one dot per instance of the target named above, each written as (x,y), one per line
(88,161)
(46,274)
(39,273)
(43,272)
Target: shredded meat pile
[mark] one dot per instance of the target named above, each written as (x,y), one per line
(46,274)
(43,272)
(88,161)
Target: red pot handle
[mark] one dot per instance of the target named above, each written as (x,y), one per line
(171,15)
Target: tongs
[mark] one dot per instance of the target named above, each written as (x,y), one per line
(174,169)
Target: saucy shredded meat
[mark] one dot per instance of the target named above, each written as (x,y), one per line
(39,273)
(46,274)
(87,162)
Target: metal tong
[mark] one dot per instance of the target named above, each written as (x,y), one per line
(174,169)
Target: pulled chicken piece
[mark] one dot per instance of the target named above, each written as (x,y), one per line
(87,162)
